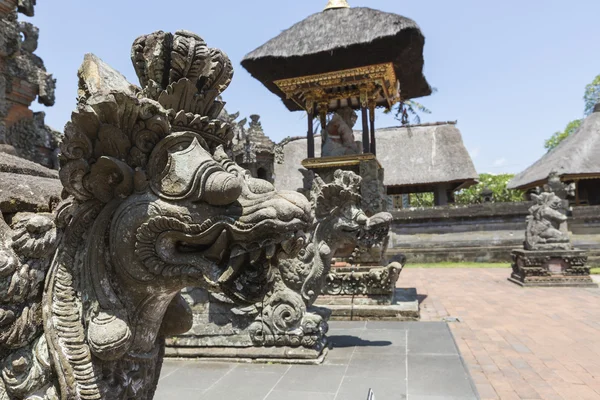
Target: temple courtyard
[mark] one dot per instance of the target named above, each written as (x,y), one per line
(477,330)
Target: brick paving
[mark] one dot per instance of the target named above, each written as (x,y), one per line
(518,343)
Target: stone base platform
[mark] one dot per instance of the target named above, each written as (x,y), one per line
(238,348)
(551,268)
(279,355)
(402,305)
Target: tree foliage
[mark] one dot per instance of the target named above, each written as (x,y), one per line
(473,195)
(409,111)
(496,183)
(591,97)
(421,200)
(562,135)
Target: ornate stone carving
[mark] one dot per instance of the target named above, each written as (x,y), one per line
(339,135)
(548,258)
(551,268)
(338,222)
(543,225)
(374,281)
(286,316)
(152,205)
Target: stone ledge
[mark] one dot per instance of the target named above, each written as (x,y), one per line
(282,355)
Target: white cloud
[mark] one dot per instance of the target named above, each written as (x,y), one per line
(500,162)
(475,152)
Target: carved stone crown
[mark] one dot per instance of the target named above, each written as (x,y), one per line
(111,145)
(185,77)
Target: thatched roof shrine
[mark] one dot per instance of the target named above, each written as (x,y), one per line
(340,39)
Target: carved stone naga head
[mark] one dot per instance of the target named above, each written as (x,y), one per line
(152,205)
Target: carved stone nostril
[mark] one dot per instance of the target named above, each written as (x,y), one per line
(20,364)
(362,219)
(222,188)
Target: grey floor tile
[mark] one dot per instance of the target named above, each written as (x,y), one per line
(438,326)
(436,375)
(357,388)
(394,325)
(288,395)
(243,385)
(344,339)
(435,340)
(382,366)
(382,338)
(312,378)
(198,376)
(263,368)
(169,367)
(344,325)
(175,393)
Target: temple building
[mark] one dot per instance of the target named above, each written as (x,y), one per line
(23,78)
(416,159)
(576,159)
(339,65)
(253,150)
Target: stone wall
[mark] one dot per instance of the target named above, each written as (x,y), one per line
(23,78)
(479,233)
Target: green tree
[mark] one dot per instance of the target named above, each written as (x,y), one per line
(562,135)
(591,97)
(421,199)
(406,109)
(495,183)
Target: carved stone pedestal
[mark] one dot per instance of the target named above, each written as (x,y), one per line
(355,293)
(372,190)
(551,268)
(222,330)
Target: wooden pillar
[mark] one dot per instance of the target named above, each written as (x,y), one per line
(310,134)
(372,120)
(440,196)
(365,121)
(365,127)
(322,108)
(577,201)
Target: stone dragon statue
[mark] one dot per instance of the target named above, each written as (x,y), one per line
(543,224)
(152,205)
(286,315)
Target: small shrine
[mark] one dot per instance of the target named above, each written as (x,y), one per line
(337,65)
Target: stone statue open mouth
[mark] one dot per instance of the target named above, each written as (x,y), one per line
(234,263)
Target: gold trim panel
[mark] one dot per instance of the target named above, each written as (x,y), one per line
(371,82)
(341,161)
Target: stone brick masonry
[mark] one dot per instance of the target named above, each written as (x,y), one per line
(23,78)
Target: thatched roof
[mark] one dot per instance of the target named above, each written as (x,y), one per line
(415,159)
(338,39)
(578,156)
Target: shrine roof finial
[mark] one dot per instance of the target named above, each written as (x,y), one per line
(333,4)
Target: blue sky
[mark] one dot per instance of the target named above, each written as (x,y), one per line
(511,72)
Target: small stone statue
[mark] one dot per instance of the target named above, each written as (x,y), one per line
(487,195)
(340,137)
(543,224)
